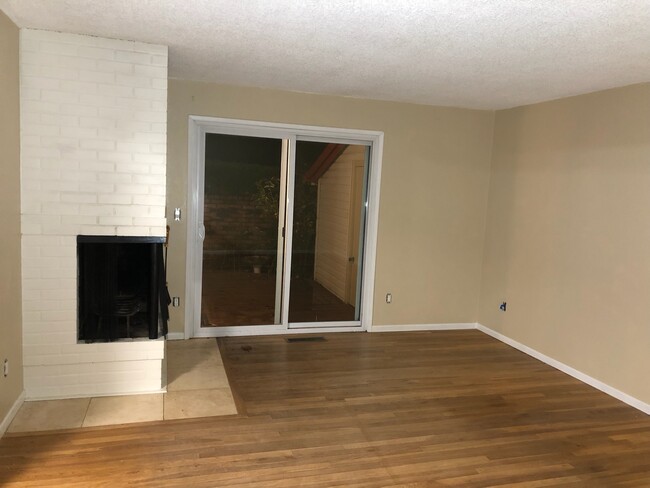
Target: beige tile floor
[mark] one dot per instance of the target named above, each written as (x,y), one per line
(197,386)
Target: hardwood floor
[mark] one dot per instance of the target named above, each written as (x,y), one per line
(426,409)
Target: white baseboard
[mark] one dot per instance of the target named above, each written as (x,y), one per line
(599,385)
(4,425)
(175,336)
(416,327)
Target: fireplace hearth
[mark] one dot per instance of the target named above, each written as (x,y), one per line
(121,288)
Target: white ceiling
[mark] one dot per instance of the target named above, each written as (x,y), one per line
(468,53)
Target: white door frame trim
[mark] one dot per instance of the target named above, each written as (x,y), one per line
(198,126)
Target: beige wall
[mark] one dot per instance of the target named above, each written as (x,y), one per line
(433,191)
(568,233)
(10,296)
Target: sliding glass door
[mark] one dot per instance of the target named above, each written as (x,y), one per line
(328,229)
(281,231)
(242,244)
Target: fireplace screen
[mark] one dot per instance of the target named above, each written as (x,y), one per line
(121,288)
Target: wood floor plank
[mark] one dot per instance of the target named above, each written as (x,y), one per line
(425,409)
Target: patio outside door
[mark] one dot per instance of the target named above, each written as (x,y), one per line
(242,219)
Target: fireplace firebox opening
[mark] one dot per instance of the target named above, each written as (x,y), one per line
(121,288)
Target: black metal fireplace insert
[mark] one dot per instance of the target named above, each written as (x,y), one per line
(122,291)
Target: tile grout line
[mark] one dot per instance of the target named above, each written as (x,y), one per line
(164,401)
(83,420)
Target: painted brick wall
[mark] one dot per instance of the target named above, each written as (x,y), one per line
(93,161)
(234,222)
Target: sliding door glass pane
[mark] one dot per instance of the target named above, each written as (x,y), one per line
(328,229)
(240,258)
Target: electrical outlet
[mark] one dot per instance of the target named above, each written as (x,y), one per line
(389,297)
(5,368)
(176,302)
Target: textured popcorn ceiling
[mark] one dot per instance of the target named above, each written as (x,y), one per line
(468,53)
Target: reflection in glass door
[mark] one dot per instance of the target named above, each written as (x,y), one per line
(243,207)
(327,237)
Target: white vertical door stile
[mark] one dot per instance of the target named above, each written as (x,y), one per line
(200,228)
(279,267)
(365,186)
(288,228)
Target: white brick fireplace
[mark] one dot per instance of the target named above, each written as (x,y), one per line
(93,161)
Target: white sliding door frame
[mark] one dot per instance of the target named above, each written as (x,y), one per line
(280,253)
(198,127)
